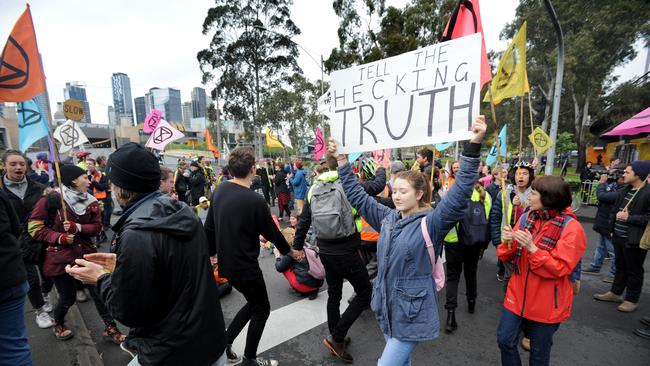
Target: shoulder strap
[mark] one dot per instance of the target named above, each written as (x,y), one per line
(427,240)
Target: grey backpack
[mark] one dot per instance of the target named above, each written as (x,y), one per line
(331,213)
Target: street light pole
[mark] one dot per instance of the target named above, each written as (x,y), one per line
(559,74)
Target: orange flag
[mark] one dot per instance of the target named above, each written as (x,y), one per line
(211,147)
(466,20)
(21,74)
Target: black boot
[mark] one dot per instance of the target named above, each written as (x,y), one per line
(451,321)
(471,306)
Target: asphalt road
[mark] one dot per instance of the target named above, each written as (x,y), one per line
(596,333)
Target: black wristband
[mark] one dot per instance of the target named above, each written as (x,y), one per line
(472,150)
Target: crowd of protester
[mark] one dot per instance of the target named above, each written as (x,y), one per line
(187,236)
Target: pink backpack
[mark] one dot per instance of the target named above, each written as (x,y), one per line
(316,268)
(437,268)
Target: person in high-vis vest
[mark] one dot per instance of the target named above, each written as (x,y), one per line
(202,209)
(463,255)
(100,189)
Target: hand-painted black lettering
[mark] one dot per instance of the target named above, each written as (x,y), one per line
(408,121)
(362,123)
(374,95)
(345,120)
(453,107)
(432,101)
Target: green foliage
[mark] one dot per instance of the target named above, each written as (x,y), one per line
(250,53)
(419,23)
(598,36)
(294,106)
(565,142)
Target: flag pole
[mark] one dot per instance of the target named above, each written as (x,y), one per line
(504,214)
(49,131)
(521,128)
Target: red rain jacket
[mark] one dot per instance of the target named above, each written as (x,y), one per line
(542,291)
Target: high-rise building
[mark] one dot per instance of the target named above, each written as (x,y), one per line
(166,100)
(76,90)
(112,116)
(199,102)
(140,109)
(187,115)
(122,101)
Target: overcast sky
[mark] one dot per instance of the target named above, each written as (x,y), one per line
(155,41)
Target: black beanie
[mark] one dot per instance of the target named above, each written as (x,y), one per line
(641,168)
(134,168)
(70,173)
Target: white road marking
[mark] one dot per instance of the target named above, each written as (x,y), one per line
(292,320)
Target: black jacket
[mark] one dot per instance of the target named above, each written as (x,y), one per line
(23,207)
(301,269)
(639,213)
(264,175)
(377,185)
(607,195)
(280,182)
(12,268)
(197,186)
(163,284)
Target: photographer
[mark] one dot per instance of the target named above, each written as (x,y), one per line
(607,193)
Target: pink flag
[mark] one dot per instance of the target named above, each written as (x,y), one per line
(152,120)
(162,135)
(382,157)
(319,145)
(447,171)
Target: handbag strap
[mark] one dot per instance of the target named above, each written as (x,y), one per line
(427,240)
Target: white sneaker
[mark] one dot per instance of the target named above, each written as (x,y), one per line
(81,296)
(47,306)
(44,320)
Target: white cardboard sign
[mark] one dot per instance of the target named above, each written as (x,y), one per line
(421,97)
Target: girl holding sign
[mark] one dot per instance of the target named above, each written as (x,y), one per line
(404,298)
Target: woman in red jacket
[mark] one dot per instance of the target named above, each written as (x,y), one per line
(544,248)
(68,240)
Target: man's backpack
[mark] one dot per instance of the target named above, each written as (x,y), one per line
(474,228)
(331,213)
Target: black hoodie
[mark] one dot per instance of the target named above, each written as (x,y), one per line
(163,285)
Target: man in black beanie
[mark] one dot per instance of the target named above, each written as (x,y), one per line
(628,223)
(158,280)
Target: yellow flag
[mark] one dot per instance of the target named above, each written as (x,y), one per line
(540,140)
(272,141)
(511,79)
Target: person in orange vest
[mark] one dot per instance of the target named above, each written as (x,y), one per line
(100,189)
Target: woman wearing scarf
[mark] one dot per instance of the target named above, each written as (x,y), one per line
(543,248)
(67,241)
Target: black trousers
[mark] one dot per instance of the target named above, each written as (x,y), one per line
(629,269)
(256,310)
(66,285)
(267,194)
(338,268)
(460,257)
(36,287)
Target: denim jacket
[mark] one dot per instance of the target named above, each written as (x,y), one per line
(404,298)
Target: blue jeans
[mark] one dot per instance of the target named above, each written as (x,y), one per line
(14,349)
(220,362)
(540,334)
(604,247)
(396,352)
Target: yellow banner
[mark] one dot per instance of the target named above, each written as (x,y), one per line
(511,79)
(272,141)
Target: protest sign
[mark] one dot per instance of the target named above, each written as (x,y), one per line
(162,135)
(382,157)
(421,97)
